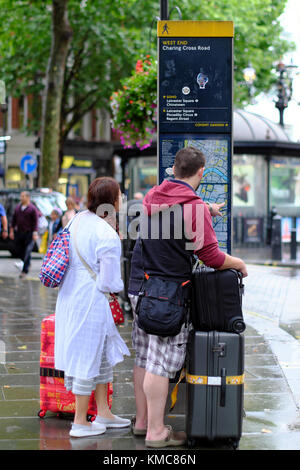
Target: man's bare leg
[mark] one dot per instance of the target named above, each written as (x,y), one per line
(140,397)
(156,390)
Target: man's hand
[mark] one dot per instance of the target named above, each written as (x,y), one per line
(35,236)
(11,234)
(214,209)
(4,234)
(243,270)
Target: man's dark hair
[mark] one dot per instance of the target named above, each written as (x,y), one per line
(187,162)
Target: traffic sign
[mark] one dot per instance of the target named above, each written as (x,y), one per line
(28,163)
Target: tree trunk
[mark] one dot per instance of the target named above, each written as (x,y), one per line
(61,39)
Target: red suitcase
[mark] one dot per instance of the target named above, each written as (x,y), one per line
(53,394)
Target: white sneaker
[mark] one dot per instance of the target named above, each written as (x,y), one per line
(92,429)
(116,422)
(19,265)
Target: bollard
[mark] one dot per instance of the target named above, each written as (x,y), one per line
(276,242)
(293,246)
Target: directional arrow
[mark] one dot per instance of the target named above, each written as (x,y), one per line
(28,164)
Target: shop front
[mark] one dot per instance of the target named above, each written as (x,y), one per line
(82,162)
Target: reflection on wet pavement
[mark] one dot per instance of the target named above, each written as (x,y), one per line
(271,421)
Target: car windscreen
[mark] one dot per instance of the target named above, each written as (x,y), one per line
(44,204)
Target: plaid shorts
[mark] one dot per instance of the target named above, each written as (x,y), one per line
(158,355)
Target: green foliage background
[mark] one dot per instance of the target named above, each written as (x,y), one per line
(109,36)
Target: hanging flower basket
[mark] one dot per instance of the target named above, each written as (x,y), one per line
(134,106)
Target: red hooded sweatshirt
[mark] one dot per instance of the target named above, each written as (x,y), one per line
(178,225)
(197,218)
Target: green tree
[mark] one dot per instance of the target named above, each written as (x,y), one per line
(60,42)
(108,38)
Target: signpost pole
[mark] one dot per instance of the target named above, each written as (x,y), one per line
(164,9)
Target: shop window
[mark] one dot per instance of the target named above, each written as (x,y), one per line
(13,177)
(17,112)
(249,185)
(285,182)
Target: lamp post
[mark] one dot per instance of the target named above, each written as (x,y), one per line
(284,86)
(249,75)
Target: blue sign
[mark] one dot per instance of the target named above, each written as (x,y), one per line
(28,164)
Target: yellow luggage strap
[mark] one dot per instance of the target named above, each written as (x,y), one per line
(204,380)
(175,390)
(207,380)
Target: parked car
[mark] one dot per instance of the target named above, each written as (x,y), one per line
(44,199)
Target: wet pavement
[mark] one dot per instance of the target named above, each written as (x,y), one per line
(272,368)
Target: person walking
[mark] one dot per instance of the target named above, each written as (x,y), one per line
(70,212)
(24,231)
(157,359)
(55,224)
(3,223)
(87,342)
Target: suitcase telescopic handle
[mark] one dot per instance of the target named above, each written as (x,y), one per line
(223,387)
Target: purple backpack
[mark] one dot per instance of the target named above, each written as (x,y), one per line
(56,260)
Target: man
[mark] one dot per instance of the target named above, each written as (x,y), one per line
(55,224)
(24,230)
(158,359)
(3,222)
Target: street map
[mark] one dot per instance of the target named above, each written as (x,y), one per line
(214,186)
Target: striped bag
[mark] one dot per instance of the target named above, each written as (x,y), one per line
(56,260)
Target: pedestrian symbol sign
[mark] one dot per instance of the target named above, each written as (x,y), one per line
(28,164)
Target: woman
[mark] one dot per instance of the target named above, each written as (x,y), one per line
(87,342)
(70,212)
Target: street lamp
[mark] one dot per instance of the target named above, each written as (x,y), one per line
(284,86)
(249,75)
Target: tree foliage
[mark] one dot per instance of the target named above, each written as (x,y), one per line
(108,38)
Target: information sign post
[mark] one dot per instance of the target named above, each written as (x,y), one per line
(195,76)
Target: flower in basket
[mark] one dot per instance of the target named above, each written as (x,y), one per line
(134,106)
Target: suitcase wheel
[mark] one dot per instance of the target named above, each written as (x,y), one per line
(235,444)
(191,443)
(42,414)
(91,418)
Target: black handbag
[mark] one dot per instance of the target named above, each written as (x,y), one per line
(163,306)
(217,300)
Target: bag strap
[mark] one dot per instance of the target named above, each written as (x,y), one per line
(85,264)
(92,273)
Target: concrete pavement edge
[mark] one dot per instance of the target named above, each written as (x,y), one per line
(283,345)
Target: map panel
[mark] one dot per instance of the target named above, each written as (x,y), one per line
(215,186)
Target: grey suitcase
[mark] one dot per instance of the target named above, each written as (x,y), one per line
(215,387)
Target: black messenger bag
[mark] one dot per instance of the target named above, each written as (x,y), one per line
(163,306)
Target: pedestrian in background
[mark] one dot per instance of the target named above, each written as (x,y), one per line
(87,342)
(55,224)
(24,231)
(3,222)
(70,212)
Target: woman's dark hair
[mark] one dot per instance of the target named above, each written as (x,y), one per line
(187,162)
(104,190)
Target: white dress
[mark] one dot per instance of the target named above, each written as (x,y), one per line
(83,317)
